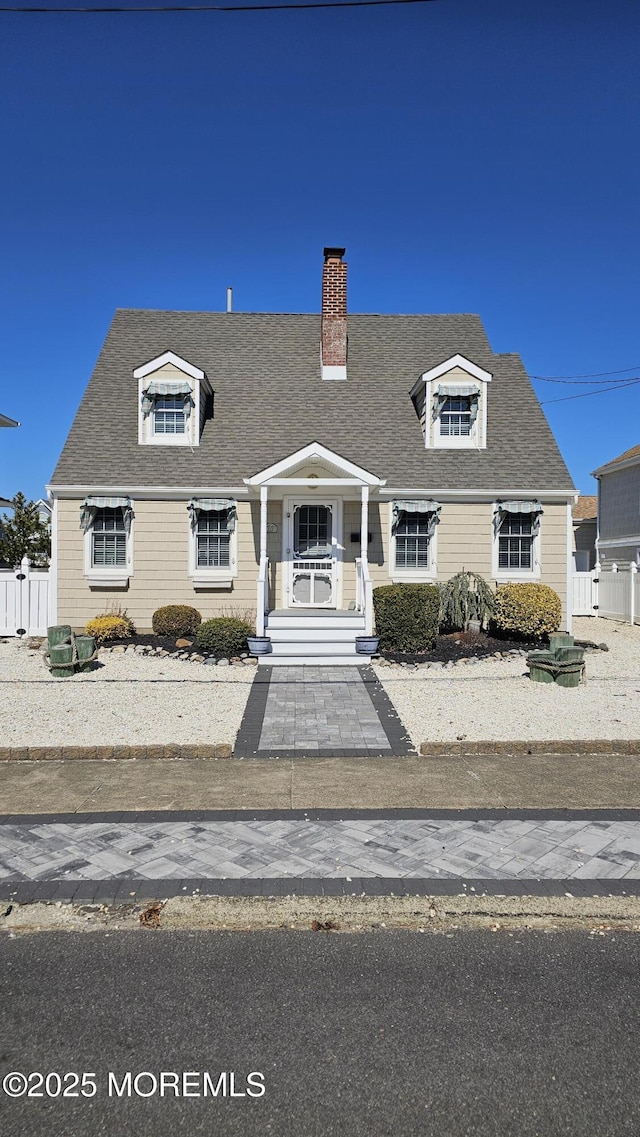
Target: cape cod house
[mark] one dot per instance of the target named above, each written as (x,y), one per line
(288,464)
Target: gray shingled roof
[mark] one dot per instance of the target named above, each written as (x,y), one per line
(270,400)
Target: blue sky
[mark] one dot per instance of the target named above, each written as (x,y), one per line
(472,155)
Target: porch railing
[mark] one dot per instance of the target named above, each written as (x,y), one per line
(262,605)
(364,594)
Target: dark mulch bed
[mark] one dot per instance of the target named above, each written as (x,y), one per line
(458,645)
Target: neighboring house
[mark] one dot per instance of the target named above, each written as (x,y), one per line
(585,528)
(44,511)
(619,510)
(293,462)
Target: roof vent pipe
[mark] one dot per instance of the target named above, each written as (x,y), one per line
(229,299)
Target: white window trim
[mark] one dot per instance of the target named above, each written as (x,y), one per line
(108,576)
(474,440)
(413,575)
(516,576)
(473,376)
(222,577)
(146,432)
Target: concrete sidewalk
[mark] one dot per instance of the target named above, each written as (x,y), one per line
(501,781)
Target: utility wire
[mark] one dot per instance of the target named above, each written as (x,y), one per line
(217,7)
(631,382)
(577,382)
(589,375)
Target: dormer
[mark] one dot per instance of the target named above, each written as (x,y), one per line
(172,399)
(451,403)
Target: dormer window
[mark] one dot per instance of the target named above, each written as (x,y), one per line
(169,414)
(172,397)
(451,402)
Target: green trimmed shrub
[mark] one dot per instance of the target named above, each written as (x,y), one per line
(466,596)
(176,620)
(110,626)
(526,611)
(407,616)
(224,636)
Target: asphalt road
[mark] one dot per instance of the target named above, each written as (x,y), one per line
(361,1035)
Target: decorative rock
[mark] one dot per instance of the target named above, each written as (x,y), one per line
(198,659)
(223,663)
(210,661)
(184,643)
(437,664)
(119,648)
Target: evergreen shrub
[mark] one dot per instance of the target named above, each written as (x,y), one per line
(526,611)
(224,636)
(407,616)
(176,620)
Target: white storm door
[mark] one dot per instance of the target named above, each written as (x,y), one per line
(312,554)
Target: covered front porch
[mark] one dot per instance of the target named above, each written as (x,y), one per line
(314,587)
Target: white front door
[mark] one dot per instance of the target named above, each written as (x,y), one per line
(311,554)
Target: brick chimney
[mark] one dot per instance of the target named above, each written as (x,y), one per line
(334,315)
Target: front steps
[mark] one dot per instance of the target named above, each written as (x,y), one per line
(313,636)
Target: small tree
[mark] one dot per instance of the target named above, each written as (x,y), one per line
(24,535)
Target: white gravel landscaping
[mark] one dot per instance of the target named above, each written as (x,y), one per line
(130,700)
(495,700)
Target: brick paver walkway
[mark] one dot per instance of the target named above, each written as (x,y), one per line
(73,856)
(321,712)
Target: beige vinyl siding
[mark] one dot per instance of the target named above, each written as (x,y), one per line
(160,567)
(464,538)
(161,556)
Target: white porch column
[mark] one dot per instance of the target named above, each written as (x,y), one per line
(364,555)
(263,571)
(264,494)
(364,523)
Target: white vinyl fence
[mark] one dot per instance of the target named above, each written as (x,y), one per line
(614,595)
(24,601)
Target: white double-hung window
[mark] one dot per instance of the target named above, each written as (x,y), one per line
(108,540)
(213,538)
(170,414)
(517,539)
(413,528)
(212,545)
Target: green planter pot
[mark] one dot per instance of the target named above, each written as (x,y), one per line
(86,646)
(59,634)
(61,660)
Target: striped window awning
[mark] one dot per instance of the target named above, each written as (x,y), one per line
(218,504)
(176,388)
(92,504)
(430,507)
(504,508)
(455,391)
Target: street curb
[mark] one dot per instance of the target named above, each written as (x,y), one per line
(521,749)
(175,751)
(172,751)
